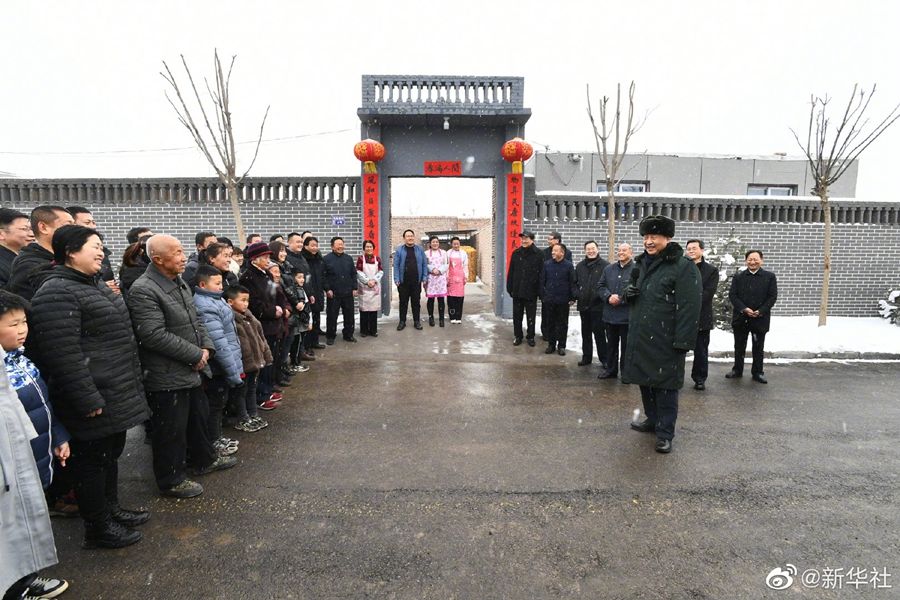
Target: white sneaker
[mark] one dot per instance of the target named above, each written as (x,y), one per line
(44,587)
(302,368)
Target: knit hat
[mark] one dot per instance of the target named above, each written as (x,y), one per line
(659,225)
(255,250)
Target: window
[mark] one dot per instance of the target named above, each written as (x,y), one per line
(758,189)
(625,186)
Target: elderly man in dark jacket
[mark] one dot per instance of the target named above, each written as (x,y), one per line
(753,294)
(558,292)
(341,287)
(523,280)
(664,295)
(174,348)
(611,291)
(590,306)
(314,292)
(709,281)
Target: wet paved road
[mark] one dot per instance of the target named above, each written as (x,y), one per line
(448,464)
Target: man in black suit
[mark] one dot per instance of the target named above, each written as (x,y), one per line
(709,279)
(753,294)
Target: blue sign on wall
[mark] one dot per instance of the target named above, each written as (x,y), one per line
(337,220)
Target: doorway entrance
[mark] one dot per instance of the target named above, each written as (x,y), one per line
(445,127)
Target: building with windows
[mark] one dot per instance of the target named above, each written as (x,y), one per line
(694,174)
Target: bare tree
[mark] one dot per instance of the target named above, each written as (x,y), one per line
(611,159)
(831,153)
(216,143)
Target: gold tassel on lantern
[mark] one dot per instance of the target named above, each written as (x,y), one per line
(517,166)
(369,167)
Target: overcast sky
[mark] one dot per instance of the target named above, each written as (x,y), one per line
(81,79)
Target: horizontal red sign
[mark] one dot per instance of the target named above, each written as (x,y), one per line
(443,168)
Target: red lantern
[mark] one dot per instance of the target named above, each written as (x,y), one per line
(369,152)
(516,151)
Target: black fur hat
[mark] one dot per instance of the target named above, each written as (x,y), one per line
(659,225)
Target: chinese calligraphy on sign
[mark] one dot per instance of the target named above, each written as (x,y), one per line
(514,196)
(370,208)
(443,168)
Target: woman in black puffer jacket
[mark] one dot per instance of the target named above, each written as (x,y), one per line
(83,343)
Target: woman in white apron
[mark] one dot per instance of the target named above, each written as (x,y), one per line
(436,287)
(457,275)
(369,274)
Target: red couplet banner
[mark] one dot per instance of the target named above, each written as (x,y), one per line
(370,208)
(514,199)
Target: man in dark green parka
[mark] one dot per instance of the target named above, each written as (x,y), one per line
(664,295)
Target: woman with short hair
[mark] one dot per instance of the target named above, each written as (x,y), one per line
(436,286)
(369,274)
(457,275)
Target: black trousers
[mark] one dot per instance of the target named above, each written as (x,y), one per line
(297,345)
(368,322)
(343,305)
(441,304)
(557,323)
(593,332)
(455,307)
(179,426)
(661,407)
(216,390)
(700,370)
(740,350)
(616,338)
(528,308)
(410,293)
(96,469)
(311,337)
(545,332)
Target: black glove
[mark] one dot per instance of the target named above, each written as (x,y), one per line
(632,291)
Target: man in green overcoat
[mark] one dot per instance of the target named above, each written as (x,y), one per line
(664,295)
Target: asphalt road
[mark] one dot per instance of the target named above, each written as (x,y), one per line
(446,463)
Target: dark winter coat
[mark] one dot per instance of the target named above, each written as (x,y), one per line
(298,262)
(7,257)
(84,346)
(299,321)
(587,278)
(29,270)
(709,281)
(340,274)
(32,391)
(265,296)
(315,279)
(106,270)
(255,352)
(168,330)
(557,282)
(614,280)
(218,318)
(190,269)
(755,291)
(663,322)
(523,278)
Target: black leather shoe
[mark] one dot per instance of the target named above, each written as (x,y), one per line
(441,322)
(530,342)
(644,426)
(561,351)
(350,339)
(330,341)
(431,321)
(374,334)
(583,362)
(109,534)
(664,446)
(363,334)
(550,350)
(517,342)
(418,325)
(608,375)
(760,378)
(129,518)
(401,325)
(700,386)
(732,374)
(318,346)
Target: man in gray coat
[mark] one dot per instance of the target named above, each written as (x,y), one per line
(175,348)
